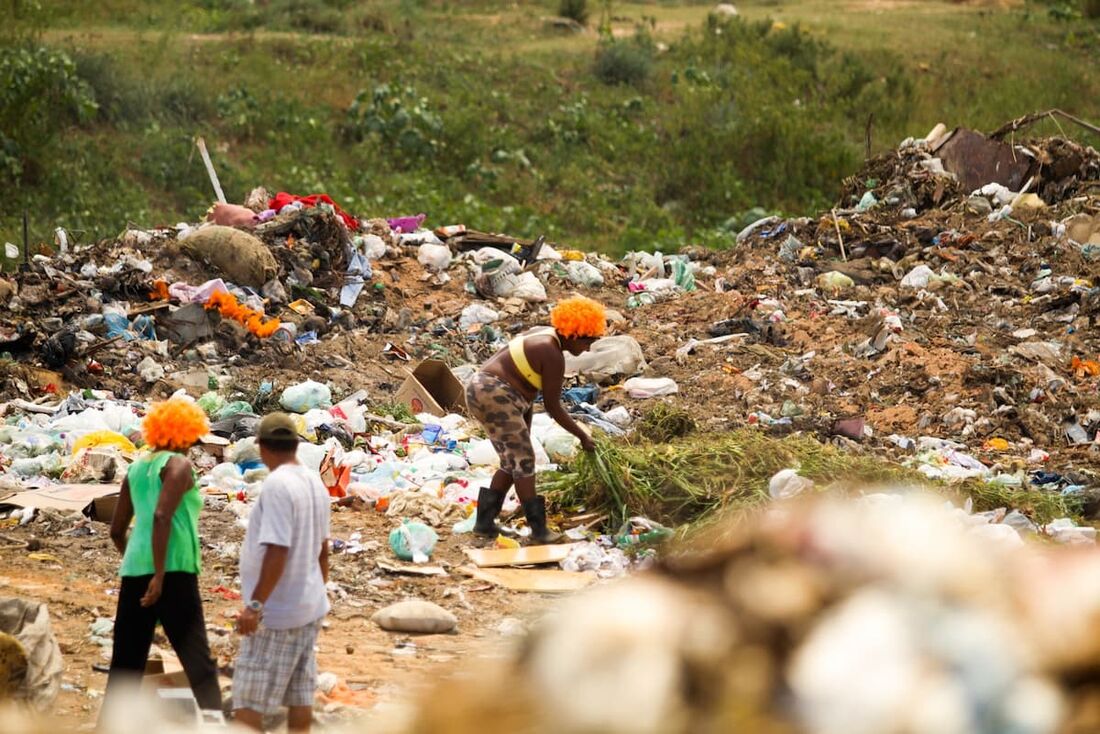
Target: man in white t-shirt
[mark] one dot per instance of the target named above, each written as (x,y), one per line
(284,568)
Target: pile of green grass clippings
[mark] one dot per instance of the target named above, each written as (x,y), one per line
(692,480)
(689,479)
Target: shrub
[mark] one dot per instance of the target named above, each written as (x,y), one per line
(623,62)
(397,116)
(40,94)
(574,9)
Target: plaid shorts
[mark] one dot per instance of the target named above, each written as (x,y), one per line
(276,668)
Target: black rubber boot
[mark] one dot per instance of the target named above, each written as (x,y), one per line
(489,504)
(534,510)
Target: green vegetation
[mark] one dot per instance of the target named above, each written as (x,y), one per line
(575,10)
(665,422)
(475,112)
(695,479)
(688,480)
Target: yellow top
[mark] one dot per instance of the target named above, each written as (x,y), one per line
(519,357)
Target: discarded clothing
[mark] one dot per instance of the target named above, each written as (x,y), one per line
(282,199)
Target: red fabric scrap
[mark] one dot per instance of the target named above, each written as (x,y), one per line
(282,198)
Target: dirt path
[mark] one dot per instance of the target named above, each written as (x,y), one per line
(79,586)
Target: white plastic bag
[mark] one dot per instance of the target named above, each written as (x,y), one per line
(608,357)
(650,387)
(787,483)
(434,257)
(918,277)
(525,286)
(482,453)
(581,273)
(476,313)
(372,246)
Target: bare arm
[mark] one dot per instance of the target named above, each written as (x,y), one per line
(323,560)
(124,512)
(553,373)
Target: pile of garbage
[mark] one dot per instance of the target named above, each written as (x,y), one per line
(940,317)
(890,613)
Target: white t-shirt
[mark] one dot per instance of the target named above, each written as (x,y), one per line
(292,511)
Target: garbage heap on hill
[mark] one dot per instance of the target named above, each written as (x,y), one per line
(940,315)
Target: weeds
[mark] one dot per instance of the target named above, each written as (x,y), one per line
(660,150)
(687,480)
(575,10)
(692,480)
(624,62)
(664,422)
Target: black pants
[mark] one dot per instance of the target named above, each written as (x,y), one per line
(179,611)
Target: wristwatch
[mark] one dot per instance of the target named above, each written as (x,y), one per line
(256,605)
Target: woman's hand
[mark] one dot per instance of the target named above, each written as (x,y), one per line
(152,591)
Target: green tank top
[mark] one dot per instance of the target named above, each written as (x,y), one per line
(183,541)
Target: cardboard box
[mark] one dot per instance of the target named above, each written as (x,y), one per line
(70,497)
(103,508)
(432,388)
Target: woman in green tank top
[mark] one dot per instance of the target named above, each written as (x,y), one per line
(161,557)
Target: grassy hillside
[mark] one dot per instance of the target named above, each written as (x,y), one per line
(657,135)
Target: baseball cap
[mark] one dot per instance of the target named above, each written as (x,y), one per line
(277,427)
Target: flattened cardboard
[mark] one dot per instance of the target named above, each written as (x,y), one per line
(544,581)
(71,497)
(532,555)
(432,388)
(411,570)
(164,672)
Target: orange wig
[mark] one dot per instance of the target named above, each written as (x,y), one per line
(579,318)
(175,424)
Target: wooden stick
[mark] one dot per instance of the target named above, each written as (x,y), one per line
(840,239)
(210,169)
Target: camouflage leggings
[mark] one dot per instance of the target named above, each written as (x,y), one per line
(506,417)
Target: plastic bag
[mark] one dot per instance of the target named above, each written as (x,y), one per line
(581,273)
(306,396)
(413,541)
(211,403)
(650,387)
(482,453)
(476,314)
(787,483)
(149,370)
(245,451)
(27,444)
(29,623)
(918,277)
(834,281)
(231,409)
(525,286)
(608,357)
(44,465)
(434,257)
(683,274)
(104,439)
(372,246)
